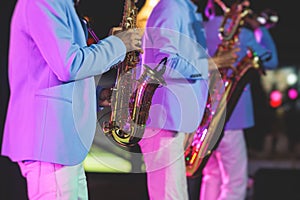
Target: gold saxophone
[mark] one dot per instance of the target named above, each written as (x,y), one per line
(131,98)
(211,129)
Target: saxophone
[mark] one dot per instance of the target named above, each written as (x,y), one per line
(211,129)
(131,98)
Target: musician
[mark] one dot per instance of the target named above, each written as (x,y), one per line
(51,116)
(174,30)
(225,174)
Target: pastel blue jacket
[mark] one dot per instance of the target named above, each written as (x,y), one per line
(51,114)
(173,30)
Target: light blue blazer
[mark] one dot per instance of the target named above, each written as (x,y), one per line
(174,31)
(51,114)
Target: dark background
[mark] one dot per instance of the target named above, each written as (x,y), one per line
(104,15)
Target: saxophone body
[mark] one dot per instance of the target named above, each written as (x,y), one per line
(205,139)
(131,98)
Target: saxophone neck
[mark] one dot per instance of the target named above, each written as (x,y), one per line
(232,21)
(129,15)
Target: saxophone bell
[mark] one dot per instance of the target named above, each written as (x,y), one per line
(127,131)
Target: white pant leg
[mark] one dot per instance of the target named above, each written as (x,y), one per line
(164,159)
(211,179)
(49,181)
(230,159)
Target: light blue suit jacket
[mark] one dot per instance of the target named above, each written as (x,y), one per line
(52,108)
(174,31)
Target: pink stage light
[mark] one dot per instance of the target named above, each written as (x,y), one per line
(292,93)
(275,98)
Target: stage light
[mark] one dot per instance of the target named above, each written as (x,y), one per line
(291,79)
(292,93)
(275,98)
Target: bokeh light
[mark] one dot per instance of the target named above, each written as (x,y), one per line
(275,98)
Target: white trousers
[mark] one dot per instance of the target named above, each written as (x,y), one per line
(164,159)
(49,181)
(225,174)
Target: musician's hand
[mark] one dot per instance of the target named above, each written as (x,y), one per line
(225,58)
(132,38)
(115,30)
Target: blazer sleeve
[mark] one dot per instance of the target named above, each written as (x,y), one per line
(165,38)
(267,42)
(54,27)
(265,48)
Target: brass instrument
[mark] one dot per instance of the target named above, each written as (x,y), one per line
(211,129)
(131,98)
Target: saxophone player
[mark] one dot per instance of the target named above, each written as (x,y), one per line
(174,30)
(51,116)
(225,175)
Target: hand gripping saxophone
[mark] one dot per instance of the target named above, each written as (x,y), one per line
(131,98)
(211,129)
